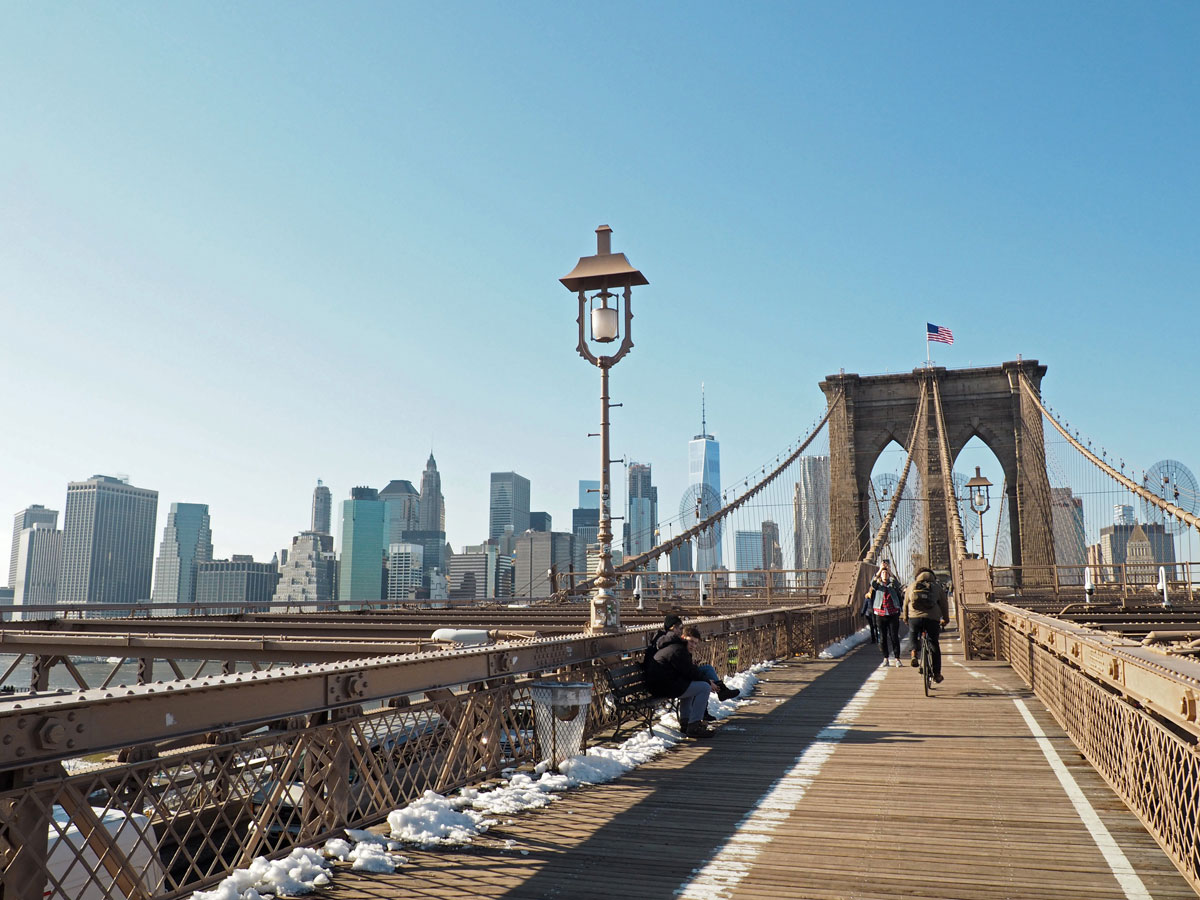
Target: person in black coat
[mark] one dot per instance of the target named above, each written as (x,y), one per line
(670,672)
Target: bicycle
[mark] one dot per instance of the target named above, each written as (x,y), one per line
(925,660)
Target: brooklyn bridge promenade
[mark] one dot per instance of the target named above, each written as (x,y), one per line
(840,780)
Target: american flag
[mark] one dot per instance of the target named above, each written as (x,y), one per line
(939,334)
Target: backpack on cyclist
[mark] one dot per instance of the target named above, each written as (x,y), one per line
(922,596)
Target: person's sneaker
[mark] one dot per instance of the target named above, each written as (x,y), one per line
(698,730)
(886,663)
(914,662)
(938,679)
(725,692)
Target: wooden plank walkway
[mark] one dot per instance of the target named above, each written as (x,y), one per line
(942,797)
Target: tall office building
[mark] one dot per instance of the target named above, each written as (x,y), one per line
(772,553)
(236,585)
(403,512)
(1070,541)
(187,542)
(38,550)
(433,552)
(1123,515)
(1154,547)
(540,521)
(405,570)
(108,542)
(585,526)
(748,561)
(322,509)
(307,578)
(27,518)
(433,505)
(810,510)
(641,512)
(480,572)
(509,504)
(1141,563)
(704,467)
(681,557)
(536,553)
(360,575)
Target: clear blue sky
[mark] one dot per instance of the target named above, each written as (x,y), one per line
(246,246)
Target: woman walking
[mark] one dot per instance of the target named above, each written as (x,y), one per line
(887,601)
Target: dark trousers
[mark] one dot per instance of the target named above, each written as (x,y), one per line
(870,617)
(889,635)
(933,628)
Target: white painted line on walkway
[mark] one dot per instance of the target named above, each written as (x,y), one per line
(733,861)
(1121,869)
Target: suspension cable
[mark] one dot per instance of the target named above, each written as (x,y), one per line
(919,422)
(636,562)
(956,529)
(1149,496)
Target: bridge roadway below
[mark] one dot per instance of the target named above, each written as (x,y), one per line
(943,797)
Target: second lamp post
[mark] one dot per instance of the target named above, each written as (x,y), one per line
(979,489)
(609,279)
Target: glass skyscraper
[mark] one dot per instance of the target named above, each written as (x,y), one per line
(704,467)
(186,542)
(748,557)
(364,544)
(641,513)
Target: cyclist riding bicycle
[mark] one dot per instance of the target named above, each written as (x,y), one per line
(926,610)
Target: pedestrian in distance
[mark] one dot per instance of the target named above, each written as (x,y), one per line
(869,614)
(927,611)
(887,600)
(671,672)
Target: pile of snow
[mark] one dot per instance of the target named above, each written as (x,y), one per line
(435,820)
(844,646)
(300,872)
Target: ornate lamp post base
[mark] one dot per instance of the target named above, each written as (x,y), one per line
(605,617)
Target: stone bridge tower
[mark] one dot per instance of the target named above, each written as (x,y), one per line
(986,403)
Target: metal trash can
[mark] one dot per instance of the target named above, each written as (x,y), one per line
(560,711)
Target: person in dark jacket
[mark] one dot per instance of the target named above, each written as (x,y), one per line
(670,672)
(927,609)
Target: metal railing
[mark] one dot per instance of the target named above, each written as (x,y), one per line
(154,791)
(1110,581)
(1130,709)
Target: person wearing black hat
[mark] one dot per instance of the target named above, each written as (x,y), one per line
(670,672)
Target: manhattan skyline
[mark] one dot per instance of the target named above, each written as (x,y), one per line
(197,236)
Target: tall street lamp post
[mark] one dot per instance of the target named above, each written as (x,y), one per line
(609,279)
(981,501)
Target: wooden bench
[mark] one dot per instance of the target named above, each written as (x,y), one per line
(631,695)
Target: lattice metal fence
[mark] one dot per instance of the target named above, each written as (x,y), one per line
(1153,769)
(172,819)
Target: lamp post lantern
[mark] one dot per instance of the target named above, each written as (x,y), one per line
(609,279)
(979,489)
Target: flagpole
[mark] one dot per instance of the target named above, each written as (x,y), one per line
(928,361)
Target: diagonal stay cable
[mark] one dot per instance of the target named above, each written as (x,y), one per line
(636,562)
(956,529)
(919,422)
(1171,509)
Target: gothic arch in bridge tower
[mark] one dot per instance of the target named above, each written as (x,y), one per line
(986,403)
